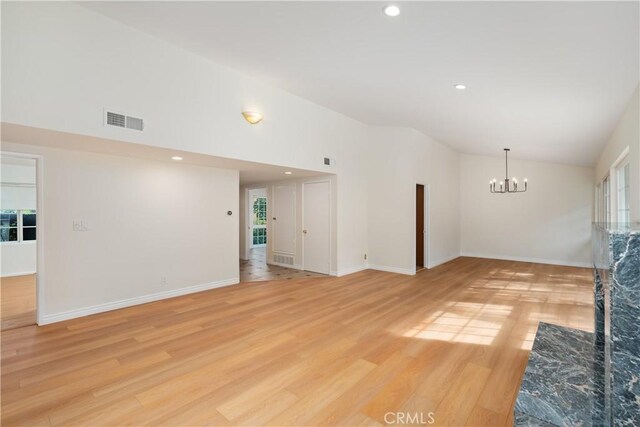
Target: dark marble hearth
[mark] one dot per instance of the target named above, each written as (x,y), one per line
(576,378)
(560,384)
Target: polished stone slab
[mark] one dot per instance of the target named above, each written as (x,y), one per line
(625,329)
(560,384)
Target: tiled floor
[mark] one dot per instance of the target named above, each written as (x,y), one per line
(256,269)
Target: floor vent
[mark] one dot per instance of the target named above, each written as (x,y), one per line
(122,121)
(283,259)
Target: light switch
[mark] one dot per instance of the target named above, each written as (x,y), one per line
(79,225)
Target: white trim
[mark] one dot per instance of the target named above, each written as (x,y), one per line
(101,308)
(350,270)
(527,259)
(444,260)
(25,273)
(409,271)
(40,240)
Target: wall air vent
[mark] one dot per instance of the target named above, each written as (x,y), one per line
(115,119)
(135,123)
(123,121)
(283,259)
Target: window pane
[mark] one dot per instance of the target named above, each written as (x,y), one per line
(28,219)
(29,233)
(259,211)
(623,194)
(259,236)
(8,218)
(8,234)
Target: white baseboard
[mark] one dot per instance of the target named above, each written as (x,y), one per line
(408,271)
(100,308)
(444,260)
(23,273)
(527,259)
(350,270)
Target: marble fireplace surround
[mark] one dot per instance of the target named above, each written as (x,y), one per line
(591,379)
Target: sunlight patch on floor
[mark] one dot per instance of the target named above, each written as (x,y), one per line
(451,326)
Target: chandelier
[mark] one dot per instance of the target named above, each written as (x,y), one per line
(508,186)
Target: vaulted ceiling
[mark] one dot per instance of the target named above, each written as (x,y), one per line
(547,79)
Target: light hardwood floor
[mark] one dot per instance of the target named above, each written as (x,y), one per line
(18,301)
(453,341)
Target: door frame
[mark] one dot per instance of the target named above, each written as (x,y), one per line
(329,231)
(427,228)
(40,244)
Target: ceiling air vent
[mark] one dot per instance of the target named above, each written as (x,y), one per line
(123,121)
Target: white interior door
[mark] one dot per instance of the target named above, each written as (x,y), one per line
(284,219)
(315,226)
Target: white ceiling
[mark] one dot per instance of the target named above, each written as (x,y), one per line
(547,79)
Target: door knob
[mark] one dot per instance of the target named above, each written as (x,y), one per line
(304,231)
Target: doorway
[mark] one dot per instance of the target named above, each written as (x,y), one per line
(316,226)
(421,229)
(18,245)
(258,215)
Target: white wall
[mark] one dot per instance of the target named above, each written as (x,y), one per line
(18,258)
(626,134)
(398,159)
(146,219)
(550,223)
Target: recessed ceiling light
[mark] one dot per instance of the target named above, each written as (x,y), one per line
(176,158)
(288,173)
(460,86)
(391,10)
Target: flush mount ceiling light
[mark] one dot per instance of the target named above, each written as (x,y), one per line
(176,158)
(288,173)
(506,187)
(252,117)
(460,86)
(391,10)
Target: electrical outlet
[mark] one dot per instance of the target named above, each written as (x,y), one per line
(163,281)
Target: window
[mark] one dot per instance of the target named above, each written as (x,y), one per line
(606,200)
(17,225)
(622,180)
(259,224)
(598,203)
